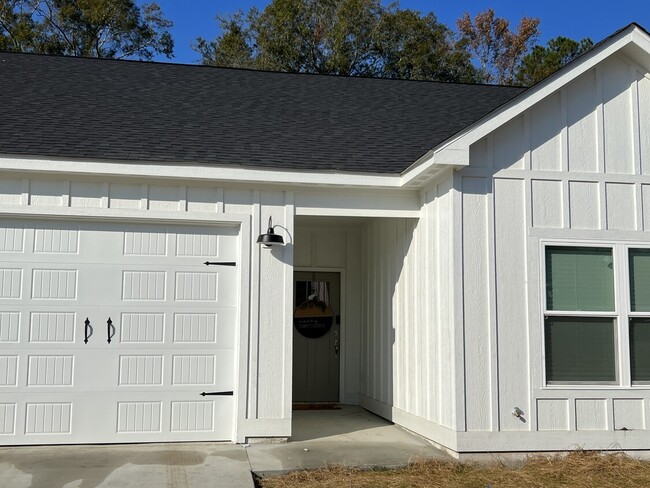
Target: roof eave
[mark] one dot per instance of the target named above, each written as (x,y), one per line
(454,152)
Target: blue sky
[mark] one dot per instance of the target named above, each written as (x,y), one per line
(571,18)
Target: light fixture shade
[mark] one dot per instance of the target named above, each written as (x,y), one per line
(270,238)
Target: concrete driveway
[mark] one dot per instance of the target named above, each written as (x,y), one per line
(351,437)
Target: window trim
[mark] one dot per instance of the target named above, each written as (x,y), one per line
(614,315)
(622,315)
(631,314)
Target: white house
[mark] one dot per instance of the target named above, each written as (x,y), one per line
(484,251)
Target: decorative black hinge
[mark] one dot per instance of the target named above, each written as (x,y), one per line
(222,263)
(217,393)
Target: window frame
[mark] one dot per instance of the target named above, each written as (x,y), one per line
(613,315)
(622,315)
(630,313)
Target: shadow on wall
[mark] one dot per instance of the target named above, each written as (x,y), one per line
(392,338)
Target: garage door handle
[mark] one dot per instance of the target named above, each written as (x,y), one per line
(88,330)
(217,393)
(110,329)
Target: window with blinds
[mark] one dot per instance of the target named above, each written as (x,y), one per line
(639,263)
(580,339)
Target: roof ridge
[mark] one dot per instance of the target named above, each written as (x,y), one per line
(252,70)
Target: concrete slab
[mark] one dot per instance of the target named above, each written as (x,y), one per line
(183,465)
(351,436)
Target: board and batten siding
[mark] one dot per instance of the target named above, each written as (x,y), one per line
(575,166)
(266,409)
(408,346)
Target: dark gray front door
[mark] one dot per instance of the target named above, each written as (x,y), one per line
(316,360)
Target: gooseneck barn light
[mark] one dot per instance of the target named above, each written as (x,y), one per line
(270,238)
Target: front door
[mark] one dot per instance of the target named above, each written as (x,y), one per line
(316,350)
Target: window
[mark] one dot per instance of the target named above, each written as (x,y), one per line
(596,329)
(639,263)
(579,329)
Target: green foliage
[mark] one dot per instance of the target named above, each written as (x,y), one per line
(543,61)
(94,28)
(343,37)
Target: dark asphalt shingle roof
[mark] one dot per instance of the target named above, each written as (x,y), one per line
(153,112)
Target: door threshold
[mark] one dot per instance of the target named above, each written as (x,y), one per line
(316,406)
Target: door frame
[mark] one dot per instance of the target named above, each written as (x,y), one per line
(240,221)
(342,312)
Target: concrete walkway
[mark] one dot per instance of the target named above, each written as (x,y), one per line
(351,436)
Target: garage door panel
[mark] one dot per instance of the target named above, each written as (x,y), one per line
(172,328)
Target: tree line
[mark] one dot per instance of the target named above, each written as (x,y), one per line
(342,37)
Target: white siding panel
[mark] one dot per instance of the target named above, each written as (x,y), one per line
(329,250)
(617,112)
(302,252)
(547,204)
(11,191)
(644,121)
(645,197)
(629,414)
(584,205)
(476,289)
(478,154)
(203,199)
(125,196)
(552,414)
(166,198)
(545,128)
(621,206)
(591,414)
(446,367)
(86,194)
(47,192)
(510,145)
(582,128)
(510,241)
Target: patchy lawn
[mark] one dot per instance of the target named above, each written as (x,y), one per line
(579,469)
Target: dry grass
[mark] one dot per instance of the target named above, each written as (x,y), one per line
(579,469)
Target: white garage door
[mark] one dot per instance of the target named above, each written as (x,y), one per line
(161,331)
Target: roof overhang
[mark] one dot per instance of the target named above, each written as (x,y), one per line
(633,41)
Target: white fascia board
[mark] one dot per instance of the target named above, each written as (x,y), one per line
(431,164)
(201,173)
(455,152)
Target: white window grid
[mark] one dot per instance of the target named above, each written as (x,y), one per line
(621,315)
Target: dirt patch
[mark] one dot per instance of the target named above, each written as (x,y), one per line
(575,470)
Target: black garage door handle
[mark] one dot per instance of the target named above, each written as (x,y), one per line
(217,393)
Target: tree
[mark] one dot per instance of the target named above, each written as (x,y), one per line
(497,49)
(94,28)
(343,37)
(544,61)
(418,47)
